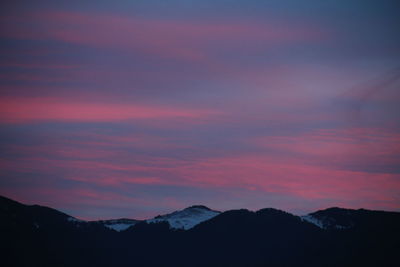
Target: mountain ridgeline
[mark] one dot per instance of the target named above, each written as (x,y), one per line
(198,236)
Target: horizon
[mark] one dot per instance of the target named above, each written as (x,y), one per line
(134,108)
(180,209)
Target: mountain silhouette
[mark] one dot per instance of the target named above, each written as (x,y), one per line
(33,235)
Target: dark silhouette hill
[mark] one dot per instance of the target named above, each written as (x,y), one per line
(41,236)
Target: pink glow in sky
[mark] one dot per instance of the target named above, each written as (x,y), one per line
(136,108)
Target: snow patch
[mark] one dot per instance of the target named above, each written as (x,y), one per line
(72,219)
(187,218)
(325,222)
(313,220)
(119,226)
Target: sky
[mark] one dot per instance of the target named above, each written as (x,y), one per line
(132,109)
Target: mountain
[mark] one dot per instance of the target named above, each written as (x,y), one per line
(332,218)
(33,235)
(187,218)
(182,219)
(338,218)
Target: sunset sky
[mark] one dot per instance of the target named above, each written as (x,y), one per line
(136,108)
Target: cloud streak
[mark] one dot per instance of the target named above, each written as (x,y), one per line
(48,109)
(164,38)
(152,107)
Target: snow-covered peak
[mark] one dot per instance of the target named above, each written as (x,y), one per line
(186,218)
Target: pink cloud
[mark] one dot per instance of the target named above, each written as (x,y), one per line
(165,38)
(303,178)
(119,181)
(14,110)
(288,177)
(343,146)
(269,174)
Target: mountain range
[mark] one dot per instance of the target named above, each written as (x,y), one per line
(33,235)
